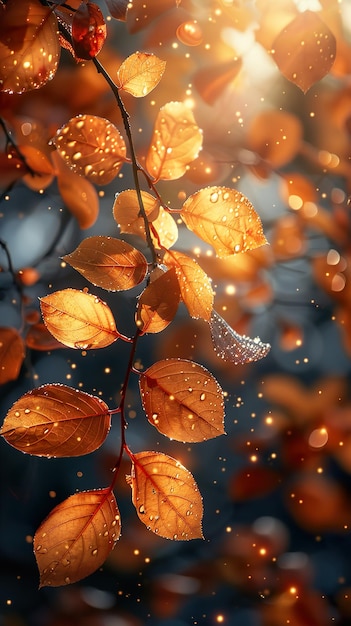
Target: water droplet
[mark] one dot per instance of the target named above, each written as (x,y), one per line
(142,509)
(203,396)
(66,562)
(175,536)
(214,196)
(17,414)
(94,552)
(27,411)
(67,580)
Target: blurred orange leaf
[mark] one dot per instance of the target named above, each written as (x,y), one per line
(232,347)
(182,400)
(88,30)
(158,303)
(194,284)
(92,147)
(118,8)
(140,73)
(78,319)
(138,18)
(109,263)
(78,193)
(253,482)
(56,421)
(225,219)
(176,141)
(12,353)
(305,50)
(29,45)
(76,537)
(41,166)
(166,497)
(211,81)
(39,338)
(275,136)
(164,230)
(126,211)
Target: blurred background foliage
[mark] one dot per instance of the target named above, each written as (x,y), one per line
(276,489)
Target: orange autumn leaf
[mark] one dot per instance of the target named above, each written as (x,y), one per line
(40,165)
(175,142)
(29,46)
(118,9)
(92,147)
(109,263)
(164,230)
(182,400)
(305,50)
(276,136)
(56,421)
(126,211)
(88,31)
(140,73)
(12,353)
(78,193)
(39,338)
(158,303)
(166,496)
(76,537)
(78,319)
(225,219)
(232,347)
(194,284)
(212,81)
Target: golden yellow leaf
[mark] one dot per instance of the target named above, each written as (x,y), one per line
(140,73)
(78,193)
(175,142)
(78,319)
(77,537)
(164,230)
(225,219)
(126,211)
(109,263)
(56,421)
(29,46)
(166,496)
(182,400)
(92,147)
(158,303)
(305,50)
(194,284)
(12,353)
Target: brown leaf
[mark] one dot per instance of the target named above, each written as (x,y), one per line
(211,81)
(118,8)
(12,353)
(29,46)
(158,303)
(305,50)
(88,30)
(166,497)
(76,537)
(126,211)
(225,219)
(56,421)
(175,142)
(275,136)
(194,284)
(140,73)
(109,263)
(78,319)
(92,147)
(182,400)
(78,193)
(232,347)
(39,338)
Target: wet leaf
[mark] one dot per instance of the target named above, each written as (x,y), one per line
(211,81)
(77,537)
(164,230)
(166,496)
(126,211)
(232,347)
(175,142)
(56,420)
(109,263)
(78,194)
(92,147)
(305,50)
(78,319)
(182,400)
(29,46)
(194,284)
(12,353)
(118,8)
(225,219)
(158,304)
(276,136)
(39,338)
(88,30)
(140,73)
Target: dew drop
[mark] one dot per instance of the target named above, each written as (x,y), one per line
(142,509)
(17,414)
(94,552)
(203,396)
(67,580)
(27,411)
(214,197)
